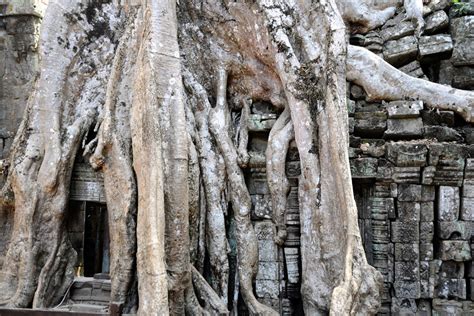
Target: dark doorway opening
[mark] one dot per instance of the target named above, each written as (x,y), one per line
(96,239)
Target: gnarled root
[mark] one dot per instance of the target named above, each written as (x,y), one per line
(39,263)
(247,246)
(381,81)
(277,149)
(113,155)
(204,291)
(243,158)
(213,174)
(325,193)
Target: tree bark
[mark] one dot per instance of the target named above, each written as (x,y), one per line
(159,81)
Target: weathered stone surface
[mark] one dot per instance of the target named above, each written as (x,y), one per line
(293,169)
(468,135)
(424,306)
(426,232)
(451,270)
(471,297)
(293,238)
(408,211)
(427,281)
(403,306)
(405,232)
(404,109)
(404,128)
(409,192)
(463,78)
(364,167)
(467,209)
(384,171)
(261,206)
(448,203)
(381,232)
(438,46)
(462,31)
(454,230)
(413,69)
(451,288)
(373,42)
(397,31)
(257,184)
(428,193)
(444,118)
(407,289)
(427,211)
(407,252)
(406,174)
(261,122)
(456,250)
(469,172)
(439,20)
(292,208)
(407,271)
(357,92)
(380,208)
(86,184)
(267,288)
(267,248)
(292,266)
(442,134)
(365,106)
(401,51)
(370,124)
(468,306)
(407,154)
(447,154)
(445,307)
(446,72)
(426,252)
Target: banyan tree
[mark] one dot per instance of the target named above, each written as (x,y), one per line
(156,94)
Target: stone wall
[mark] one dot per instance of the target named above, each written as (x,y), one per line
(416,206)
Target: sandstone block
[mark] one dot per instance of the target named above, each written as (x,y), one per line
(448,203)
(404,128)
(456,250)
(400,51)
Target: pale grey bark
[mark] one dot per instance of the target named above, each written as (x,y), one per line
(169,176)
(278,143)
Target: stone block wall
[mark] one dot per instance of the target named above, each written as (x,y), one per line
(415,166)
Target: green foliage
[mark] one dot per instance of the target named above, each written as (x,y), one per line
(460,7)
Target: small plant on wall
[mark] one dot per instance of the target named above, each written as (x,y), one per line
(460,7)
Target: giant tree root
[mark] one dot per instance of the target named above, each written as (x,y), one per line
(247,245)
(148,86)
(212,301)
(213,173)
(381,81)
(326,200)
(39,263)
(113,155)
(278,143)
